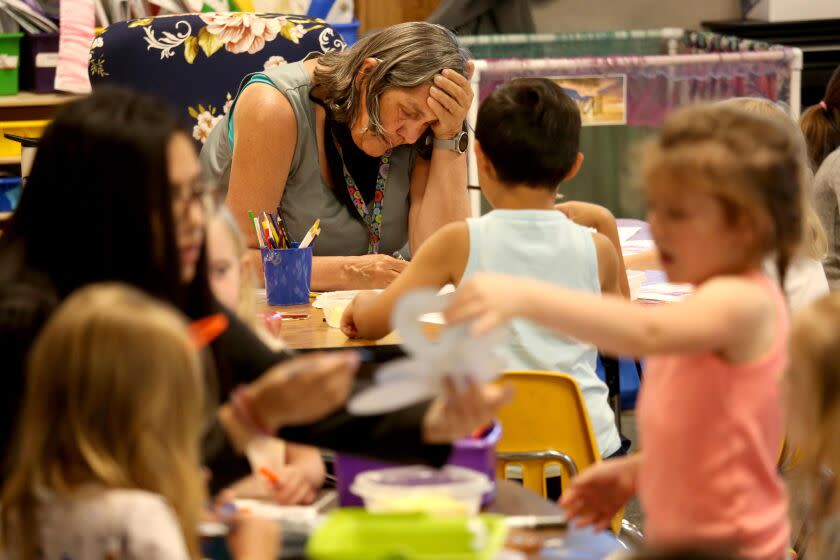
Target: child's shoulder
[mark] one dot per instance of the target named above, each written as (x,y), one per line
(149,523)
(738,294)
(92,517)
(453,232)
(128,505)
(134,500)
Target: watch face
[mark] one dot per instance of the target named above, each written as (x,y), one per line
(463,141)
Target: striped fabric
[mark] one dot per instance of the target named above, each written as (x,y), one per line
(75,36)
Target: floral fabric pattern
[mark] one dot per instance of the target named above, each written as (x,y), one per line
(197,61)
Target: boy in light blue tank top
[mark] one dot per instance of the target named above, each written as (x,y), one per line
(527,137)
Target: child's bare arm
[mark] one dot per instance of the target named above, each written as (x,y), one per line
(608,269)
(725,315)
(440,260)
(602,221)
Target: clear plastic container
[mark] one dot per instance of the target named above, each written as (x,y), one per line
(450,490)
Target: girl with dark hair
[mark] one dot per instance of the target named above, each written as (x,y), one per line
(115,195)
(821,123)
(821,126)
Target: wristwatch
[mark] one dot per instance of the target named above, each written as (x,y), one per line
(458,144)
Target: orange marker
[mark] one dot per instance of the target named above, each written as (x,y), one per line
(270,475)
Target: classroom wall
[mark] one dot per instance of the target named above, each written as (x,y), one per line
(605,15)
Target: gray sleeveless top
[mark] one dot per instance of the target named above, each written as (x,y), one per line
(307,197)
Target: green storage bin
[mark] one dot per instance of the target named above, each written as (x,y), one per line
(353,533)
(9,62)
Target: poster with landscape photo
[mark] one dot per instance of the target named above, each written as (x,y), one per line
(602,99)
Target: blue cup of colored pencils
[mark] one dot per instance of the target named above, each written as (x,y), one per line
(287,265)
(288,273)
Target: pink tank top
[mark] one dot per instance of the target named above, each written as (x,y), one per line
(711,433)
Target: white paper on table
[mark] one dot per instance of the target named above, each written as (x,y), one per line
(297,514)
(639,246)
(665,291)
(626,232)
(433,319)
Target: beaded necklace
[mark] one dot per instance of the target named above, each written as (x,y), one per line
(372,216)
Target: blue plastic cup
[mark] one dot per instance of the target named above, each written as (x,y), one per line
(288,273)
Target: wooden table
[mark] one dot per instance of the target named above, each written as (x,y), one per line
(314,332)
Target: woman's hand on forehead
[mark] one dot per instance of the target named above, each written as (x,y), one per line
(449,99)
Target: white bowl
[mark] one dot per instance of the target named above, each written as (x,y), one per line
(449,490)
(333,311)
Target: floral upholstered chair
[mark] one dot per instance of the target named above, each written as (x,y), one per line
(196,61)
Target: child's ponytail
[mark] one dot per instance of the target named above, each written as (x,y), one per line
(821,123)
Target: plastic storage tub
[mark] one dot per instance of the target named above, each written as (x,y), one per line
(351,534)
(478,454)
(10,189)
(28,129)
(39,59)
(9,62)
(447,491)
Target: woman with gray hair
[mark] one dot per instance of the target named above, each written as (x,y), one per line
(369,140)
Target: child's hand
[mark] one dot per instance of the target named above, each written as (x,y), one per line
(362,301)
(596,495)
(348,326)
(292,488)
(460,411)
(487,299)
(254,538)
(305,388)
(272,321)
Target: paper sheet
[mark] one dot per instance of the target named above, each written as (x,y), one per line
(665,291)
(634,247)
(419,376)
(626,232)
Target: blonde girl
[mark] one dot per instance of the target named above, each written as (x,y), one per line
(107,461)
(805,280)
(813,405)
(724,192)
(299,468)
(232,276)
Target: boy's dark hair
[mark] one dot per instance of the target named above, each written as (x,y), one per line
(529,129)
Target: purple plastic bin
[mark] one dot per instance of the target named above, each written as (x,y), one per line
(476,454)
(39,58)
